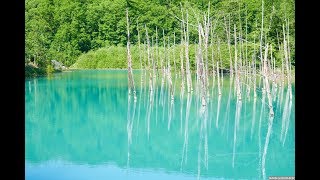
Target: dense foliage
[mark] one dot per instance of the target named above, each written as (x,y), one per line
(66,29)
(116,57)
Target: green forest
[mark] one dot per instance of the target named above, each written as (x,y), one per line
(91,34)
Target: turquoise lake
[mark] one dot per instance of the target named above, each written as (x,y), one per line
(81,125)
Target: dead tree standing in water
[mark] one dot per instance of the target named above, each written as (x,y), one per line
(130,74)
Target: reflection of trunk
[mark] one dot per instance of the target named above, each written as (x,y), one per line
(35,92)
(149,109)
(130,120)
(285,116)
(218,111)
(253,116)
(270,123)
(236,126)
(206,154)
(199,157)
(165,93)
(128,129)
(139,109)
(281,96)
(259,131)
(157,103)
(29,85)
(186,131)
(227,112)
(173,92)
(203,138)
(181,109)
(287,121)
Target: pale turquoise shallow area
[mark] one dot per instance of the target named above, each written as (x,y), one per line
(76,127)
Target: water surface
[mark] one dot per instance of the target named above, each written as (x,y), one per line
(81,125)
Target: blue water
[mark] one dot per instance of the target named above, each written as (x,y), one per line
(79,125)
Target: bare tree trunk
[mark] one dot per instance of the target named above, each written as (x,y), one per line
(140,53)
(149,63)
(218,73)
(212,58)
(229,45)
(130,74)
(261,35)
(287,61)
(219,89)
(174,57)
(181,58)
(157,52)
(236,64)
(207,25)
(288,36)
(186,34)
(266,74)
(169,71)
(240,40)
